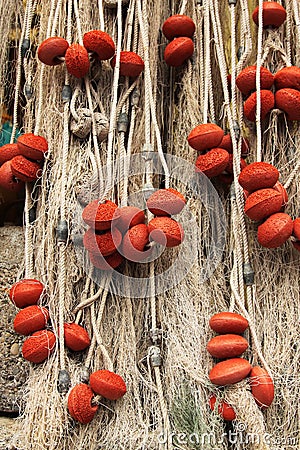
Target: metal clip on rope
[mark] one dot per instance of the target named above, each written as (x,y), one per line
(248,273)
(240,52)
(123,122)
(155,356)
(236,129)
(28,91)
(66,93)
(63,382)
(85,375)
(62,231)
(155,335)
(25,47)
(232,2)
(32,214)
(135,97)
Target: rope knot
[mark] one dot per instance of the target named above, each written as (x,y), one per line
(102,126)
(81,123)
(155,356)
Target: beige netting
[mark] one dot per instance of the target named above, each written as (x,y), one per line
(167,406)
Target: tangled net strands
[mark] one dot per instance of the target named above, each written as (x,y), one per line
(163,105)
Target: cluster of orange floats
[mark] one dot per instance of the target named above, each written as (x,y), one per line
(22,162)
(228,346)
(32,321)
(118,233)
(55,50)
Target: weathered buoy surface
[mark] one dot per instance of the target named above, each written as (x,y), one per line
(80,403)
(30,319)
(263,203)
(228,323)
(178,25)
(246,79)
(39,346)
(205,136)
(108,384)
(275,231)
(229,371)
(262,387)
(213,162)
(52,50)
(258,175)
(131,64)
(26,292)
(178,51)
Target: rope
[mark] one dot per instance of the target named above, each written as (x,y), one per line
(148,93)
(183,7)
(18,82)
(297,24)
(101,15)
(90,103)
(251,327)
(207,59)
(29,266)
(97,326)
(62,246)
(112,121)
(107,361)
(89,301)
(258,67)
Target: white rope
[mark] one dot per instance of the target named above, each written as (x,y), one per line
(256,343)
(107,360)
(101,15)
(183,7)
(289,32)
(114,101)
(62,246)
(149,94)
(258,67)
(297,24)
(18,82)
(207,59)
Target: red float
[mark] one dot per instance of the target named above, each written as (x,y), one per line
(178,25)
(273,14)
(131,64)
(108,384)
(263,203)
(246,80)
(178,51)
(8,180)
(288,100)
(32,146)
(26,292)
(100,216)
(30,319)
(77,60)
(275,231)
(166,202)
(166,231)
(205,136)
(213,162)
(100,43)
(24,169)
(80,403)
(52,50)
